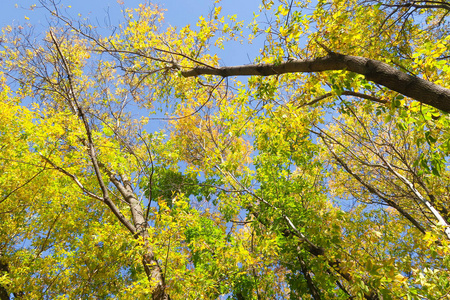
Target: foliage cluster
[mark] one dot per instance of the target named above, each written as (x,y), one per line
(323,180)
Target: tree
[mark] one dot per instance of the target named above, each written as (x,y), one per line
(323,176)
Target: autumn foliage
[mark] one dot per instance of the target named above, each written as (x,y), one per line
(318,171)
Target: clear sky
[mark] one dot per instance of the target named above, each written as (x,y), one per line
(179,12)
(101,12)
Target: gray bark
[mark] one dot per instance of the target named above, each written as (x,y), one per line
(151,265)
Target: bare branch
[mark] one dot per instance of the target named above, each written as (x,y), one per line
(408,183)
(73,177)
(90,145)
(346,93)
(371,188)
(22,185)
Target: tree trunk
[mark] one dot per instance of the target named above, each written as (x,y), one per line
(151,266)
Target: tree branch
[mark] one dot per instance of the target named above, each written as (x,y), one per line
(309,282)
(293,230)
(371,188)
(346,93)
(374,70)
(90,143)
(73,177)
(4,268)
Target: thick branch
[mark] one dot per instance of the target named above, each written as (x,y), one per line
(422,5)
(309,282)
(376,71)
(151,265)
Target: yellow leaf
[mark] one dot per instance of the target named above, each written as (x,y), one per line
(377,233)
(400,278)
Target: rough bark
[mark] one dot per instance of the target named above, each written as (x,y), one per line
(376,71)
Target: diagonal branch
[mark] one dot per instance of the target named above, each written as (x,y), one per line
(22,185)
(408,183)
(73,177)
(90,143)
(370,188)
(291,229)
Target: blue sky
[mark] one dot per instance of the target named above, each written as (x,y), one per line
(103,12)
(179,13)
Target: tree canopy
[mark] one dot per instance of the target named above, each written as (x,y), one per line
(319,170)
